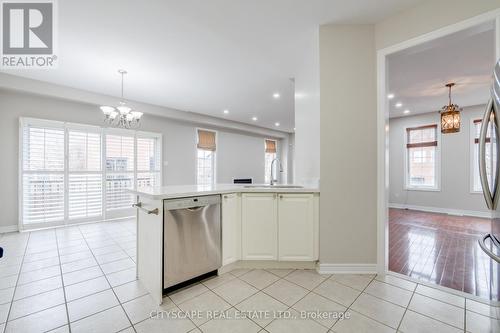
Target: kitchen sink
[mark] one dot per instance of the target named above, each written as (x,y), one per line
(273,186)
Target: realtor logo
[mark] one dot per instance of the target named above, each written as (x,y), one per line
(28,34)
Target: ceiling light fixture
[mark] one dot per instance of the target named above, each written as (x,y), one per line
(406,111)
(122,115)
(390,96)
(398,105)
(226,111)
(254,118)
(276,95)
(450,114)
(277,124)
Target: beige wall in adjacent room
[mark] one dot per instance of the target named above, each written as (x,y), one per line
(348,144)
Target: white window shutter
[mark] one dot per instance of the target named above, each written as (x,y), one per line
(120,165)
(85,175)
(43,175)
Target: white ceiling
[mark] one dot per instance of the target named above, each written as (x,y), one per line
(417,75)
(199,56)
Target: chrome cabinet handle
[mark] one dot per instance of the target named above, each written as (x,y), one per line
(152,211)
(482,244)
(482,155)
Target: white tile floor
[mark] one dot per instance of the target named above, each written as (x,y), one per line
(82,279)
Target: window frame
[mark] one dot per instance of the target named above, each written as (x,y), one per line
(472,141)
(214,161)
(437,162)
(67,127)
(267,181)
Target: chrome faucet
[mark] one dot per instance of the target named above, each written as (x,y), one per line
(273,180)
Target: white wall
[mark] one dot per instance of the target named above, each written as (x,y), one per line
(238,154)
(307,116)
(455,192)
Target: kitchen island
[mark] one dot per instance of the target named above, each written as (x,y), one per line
(261,226)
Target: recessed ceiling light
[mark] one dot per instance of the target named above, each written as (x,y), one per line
(398,104)
(254,118)
(390,96)
(406,111)
(226,111)
(276,95)
(294,128)
(276,124)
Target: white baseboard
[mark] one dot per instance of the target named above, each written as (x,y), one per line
(449,211)
(9,228)
(347,268)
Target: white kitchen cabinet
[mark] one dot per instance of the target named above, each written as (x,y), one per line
(296,225)
(231,228)
(259,226)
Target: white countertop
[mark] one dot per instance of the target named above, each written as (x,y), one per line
(181,191)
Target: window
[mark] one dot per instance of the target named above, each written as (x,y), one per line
(490,155)
(422,157)
(206,148)
(72,173)
(270,155)
(42,177)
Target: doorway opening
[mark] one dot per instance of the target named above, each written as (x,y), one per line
(433,210)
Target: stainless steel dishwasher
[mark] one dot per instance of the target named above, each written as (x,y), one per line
(192,238)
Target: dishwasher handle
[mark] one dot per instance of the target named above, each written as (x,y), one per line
(195,209)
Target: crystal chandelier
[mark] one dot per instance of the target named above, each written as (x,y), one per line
(122,115)
(450,115)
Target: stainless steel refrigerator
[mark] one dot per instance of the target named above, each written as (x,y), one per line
(489,170)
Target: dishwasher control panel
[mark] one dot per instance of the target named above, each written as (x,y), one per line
(191,202)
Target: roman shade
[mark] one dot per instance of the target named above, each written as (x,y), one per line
(422,136)
(271,146)
(206,140)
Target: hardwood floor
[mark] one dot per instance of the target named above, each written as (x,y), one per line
(443,249)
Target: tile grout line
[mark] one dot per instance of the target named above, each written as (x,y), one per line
(234,306)
(119,302)
(309,292)
(53,306)
(17,281)
(177,304)
(64,289)
(422,314)
(351,309)
(465,316)
(406,308)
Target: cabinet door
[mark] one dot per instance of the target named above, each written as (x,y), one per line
(296,227)
(259,226)
(231,228)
